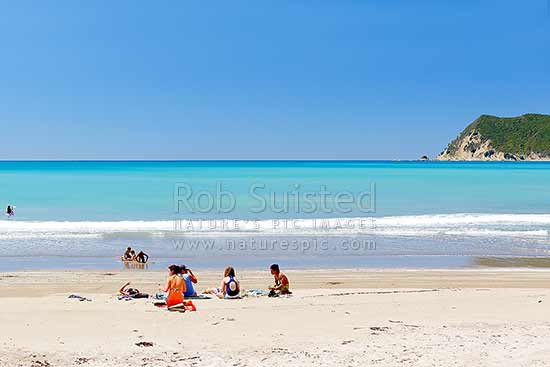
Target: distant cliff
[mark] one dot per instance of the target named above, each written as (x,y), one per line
(491,138)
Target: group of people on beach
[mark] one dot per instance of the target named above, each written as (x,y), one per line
(130,255)
(181,281)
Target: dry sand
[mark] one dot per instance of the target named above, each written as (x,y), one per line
(334,318)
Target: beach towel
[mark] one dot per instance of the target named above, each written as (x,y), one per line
(232,297)
(199,296)
(127,297)
(255,293)
(185,306)
(140,295)
(181,307)
(162,296)
(273,294)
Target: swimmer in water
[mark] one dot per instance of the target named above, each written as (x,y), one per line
(9,211)
(127,255)
(142,257)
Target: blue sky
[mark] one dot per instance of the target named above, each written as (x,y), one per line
(263,79)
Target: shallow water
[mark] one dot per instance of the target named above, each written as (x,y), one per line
(391,214)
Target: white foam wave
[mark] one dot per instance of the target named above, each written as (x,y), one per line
(489,225)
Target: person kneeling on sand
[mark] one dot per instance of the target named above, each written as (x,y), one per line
(175,287)
(282,284)
(229,287)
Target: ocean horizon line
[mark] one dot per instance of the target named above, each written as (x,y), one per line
(208,160)
(261,160)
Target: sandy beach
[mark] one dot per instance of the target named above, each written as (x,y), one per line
(335,317)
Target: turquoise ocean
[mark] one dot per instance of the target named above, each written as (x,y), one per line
(302,214)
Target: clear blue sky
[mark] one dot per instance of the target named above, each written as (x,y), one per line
(263,79)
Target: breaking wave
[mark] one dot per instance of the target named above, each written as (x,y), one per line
(476,225)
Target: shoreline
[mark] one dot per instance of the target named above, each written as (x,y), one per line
(293,269)
(10,264)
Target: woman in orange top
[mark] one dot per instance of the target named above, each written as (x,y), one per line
(175,286)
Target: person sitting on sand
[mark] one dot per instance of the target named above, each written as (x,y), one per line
(127,255)
(190,279)
(131,292)
(229,287)
(175,287)
(142,257)
(281,281)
